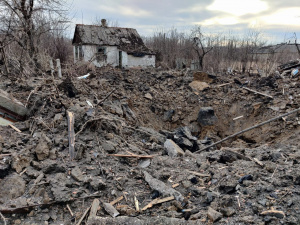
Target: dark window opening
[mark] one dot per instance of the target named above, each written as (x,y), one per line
(101,50)
(101,54)
(80,52)
(76,52)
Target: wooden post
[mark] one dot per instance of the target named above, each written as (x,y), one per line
(51,67)
(58,68)
(71,134)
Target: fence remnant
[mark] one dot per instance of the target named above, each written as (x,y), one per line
(58,68)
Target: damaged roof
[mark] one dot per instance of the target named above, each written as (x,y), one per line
(127,39)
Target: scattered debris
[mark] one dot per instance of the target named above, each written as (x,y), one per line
(273,212)
(162,187)
(110,210)
(11,110)
(289,65)
(206,116)
(173,149)
(94,208)
(256,92)
(158,201)
(124,169)
(213,215)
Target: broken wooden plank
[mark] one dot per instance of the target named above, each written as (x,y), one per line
(106,97)
(68,207)
(273,212)
(133,156)
(158,201)
(3,218)
(71,134)
(221,85)
(199,174)
(256,92)
(23,172)
(175,185)
(84,214)
(13,127)
(136,203)
(4,155)
(26,209)
(37,180)
(117,200)
(94,208)
(239,117)
(258,162)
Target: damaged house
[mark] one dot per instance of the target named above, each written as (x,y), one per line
(283,51)
(115,46)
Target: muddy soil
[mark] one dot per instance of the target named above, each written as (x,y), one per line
(136,136)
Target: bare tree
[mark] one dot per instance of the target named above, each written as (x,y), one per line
(296,44)
(171,46)
(201,44)
(25,21)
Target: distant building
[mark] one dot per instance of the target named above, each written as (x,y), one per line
(115,46)
(282,51)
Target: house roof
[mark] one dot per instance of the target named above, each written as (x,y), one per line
(279,48)
(127,39)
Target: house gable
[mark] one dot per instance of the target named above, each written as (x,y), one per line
(113,46)
(127,39)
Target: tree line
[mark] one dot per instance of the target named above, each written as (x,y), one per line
(33,31)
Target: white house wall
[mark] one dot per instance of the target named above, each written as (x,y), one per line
(112,57)
(147,60)
(88,52)
(112,53)
(75,58)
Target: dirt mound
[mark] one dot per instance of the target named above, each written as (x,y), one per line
(136,132)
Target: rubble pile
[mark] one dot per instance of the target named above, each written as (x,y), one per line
(137,138)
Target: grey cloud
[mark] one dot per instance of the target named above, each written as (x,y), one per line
(165,14)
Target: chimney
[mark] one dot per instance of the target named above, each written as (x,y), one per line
(103,23)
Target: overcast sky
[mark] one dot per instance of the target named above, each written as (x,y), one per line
(276,19)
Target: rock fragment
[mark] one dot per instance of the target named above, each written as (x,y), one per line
(77,174)
(228,211)
(162,187)
(110,210)
(172,148)
(20,162)
(148,96)
(12,187)
(198,86)
(213,215)
(206,116)
(168,115)
(42,150)
(109,147)
(97,184)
